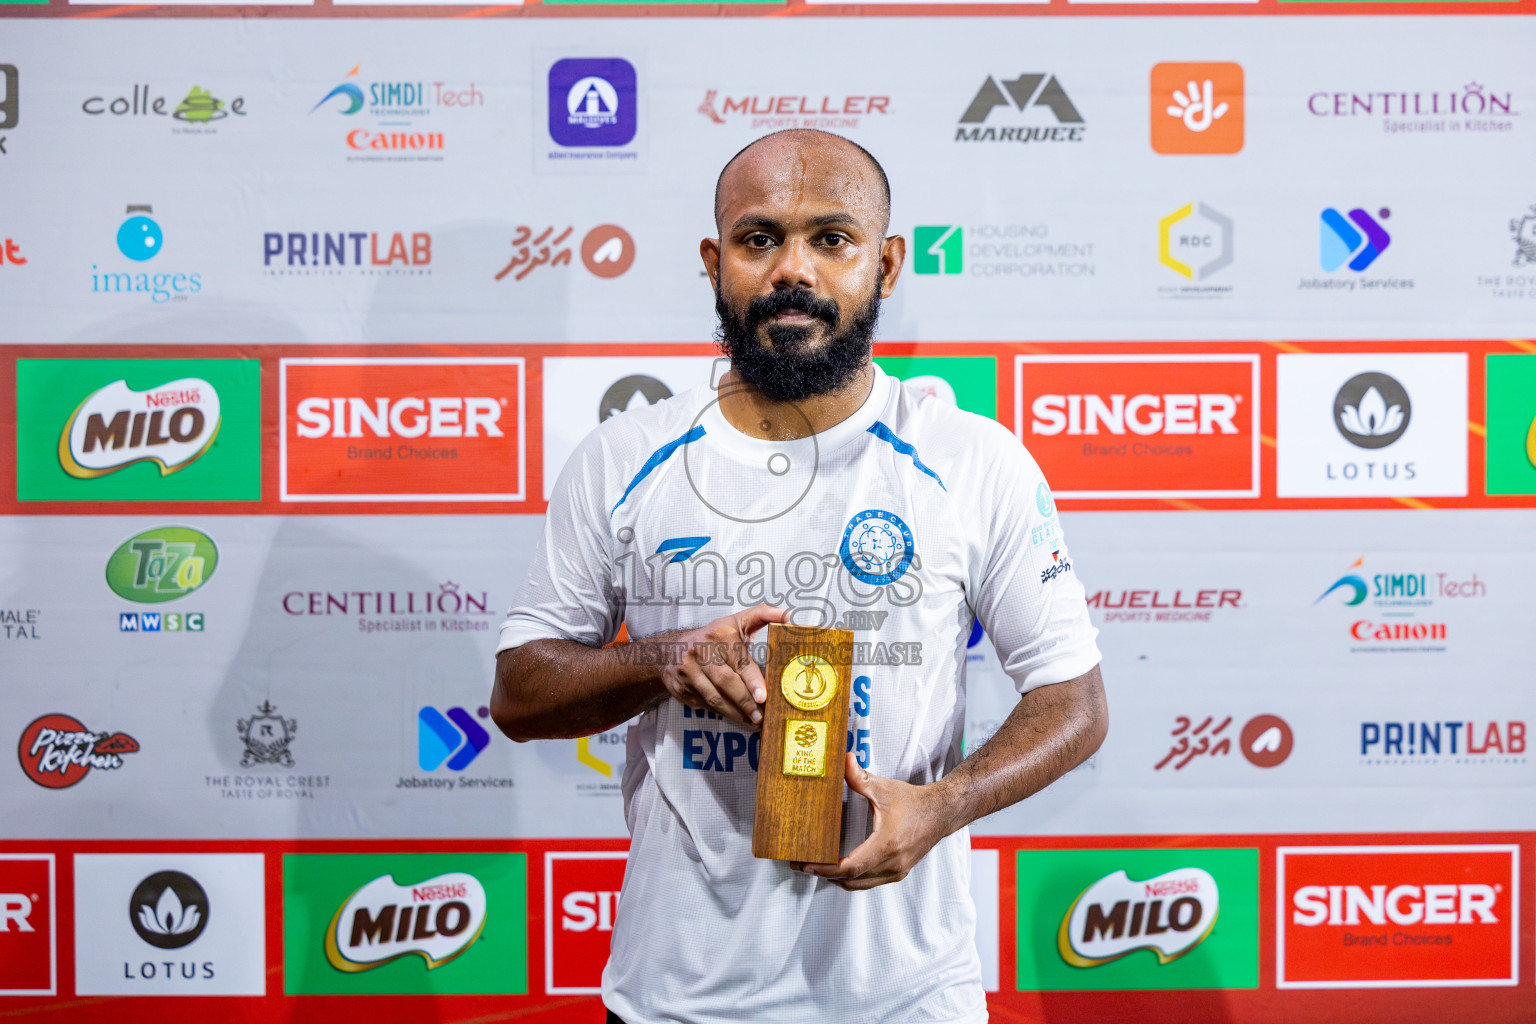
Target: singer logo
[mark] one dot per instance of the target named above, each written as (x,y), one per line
(1396,916)
(27,964)
(581,900)
(116,426)
(1170,915)
(436,920)
(402,429)
(1141,426)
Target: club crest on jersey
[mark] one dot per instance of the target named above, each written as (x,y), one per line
(877,547)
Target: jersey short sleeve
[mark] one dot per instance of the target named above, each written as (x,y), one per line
(569,593)
(1023,586)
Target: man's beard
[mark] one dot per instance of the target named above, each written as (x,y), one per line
(789,372)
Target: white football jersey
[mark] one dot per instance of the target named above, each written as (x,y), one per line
(903,523)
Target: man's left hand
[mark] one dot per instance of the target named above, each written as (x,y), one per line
(906,828)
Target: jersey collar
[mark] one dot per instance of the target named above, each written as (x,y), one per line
(755,449)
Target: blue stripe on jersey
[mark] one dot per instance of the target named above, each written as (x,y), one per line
(659,456)
(887,435)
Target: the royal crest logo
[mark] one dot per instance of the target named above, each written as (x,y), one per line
(437,920)
(1169,915)
(57,751)
(266,736)
(877,547)
(171,425)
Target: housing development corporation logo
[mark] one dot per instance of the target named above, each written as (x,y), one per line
(28,963)
(390,105)
(57,751)
(1169,915)
(1044,112)
(938,249)
(140,239)
(1195,242)
(1396,916)
(593,102)
(1197,108)
(769,113)
(324,253)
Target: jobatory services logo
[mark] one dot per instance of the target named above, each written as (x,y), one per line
(1511,415)
(1393,425)
(1396,916)
(395,120)
(140,239)
(1154,426)
(771,113)
(1341,243)
(607,251)
(1023,100)
(198,113)
(1407,609)
(28,963)
(10,100)
(581,902)
(449,740)
(1197,108)
(1474,109)
(56,751)
(427,429)
(405,924)
(1442,743)
(1139,919)
(1196,242)
(334,253)
(138,429)
(1265,741)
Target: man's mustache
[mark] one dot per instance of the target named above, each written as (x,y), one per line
(801,300)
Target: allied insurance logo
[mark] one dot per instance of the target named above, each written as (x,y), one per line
(581,903)
(402,429)
(1141,426)
(1197,108)
(1396,916)
(593,102)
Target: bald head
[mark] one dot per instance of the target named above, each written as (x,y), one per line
(806,162)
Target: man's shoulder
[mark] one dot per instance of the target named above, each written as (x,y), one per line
(639,431)
(935,424)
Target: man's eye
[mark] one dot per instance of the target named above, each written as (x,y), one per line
(759,240)
(834,240)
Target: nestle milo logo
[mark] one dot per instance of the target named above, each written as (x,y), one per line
(171,425)
(1169,915)
(161,564)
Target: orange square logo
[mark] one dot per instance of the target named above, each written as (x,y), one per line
(1197,108)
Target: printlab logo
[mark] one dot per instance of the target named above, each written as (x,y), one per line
(607,251)
(267,736)
(1026,93)
(1372,410)
(57,751)
(307,254)
(455,738)
(169,910)
(1341,243)
(1420,742)
(1169,915)
(1195,242)
(10,100)
(593,102)
(1197,108)
(938,249)
(195,113)
(1265,741)
(633,392)
(140,239)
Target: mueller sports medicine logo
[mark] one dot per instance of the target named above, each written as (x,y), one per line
(57,751)
(437,919)
(1178,605)
(389,106)
(581,902)
(1045,112)
(172,426)
(1396,916)
(1152,426)
(1472,109)
(1169,915)
(27,961)
(776,113)
(325,253)
(140,239)
(402,429)
(1197,108)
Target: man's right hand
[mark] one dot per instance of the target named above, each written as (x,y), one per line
(711,667)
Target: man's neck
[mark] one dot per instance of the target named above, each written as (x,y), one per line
(754,414)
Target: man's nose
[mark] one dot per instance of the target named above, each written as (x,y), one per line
(795,267)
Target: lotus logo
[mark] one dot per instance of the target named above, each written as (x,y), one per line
(1372,410)
(437,920)
(172,426)
(169,910)
(1170,915)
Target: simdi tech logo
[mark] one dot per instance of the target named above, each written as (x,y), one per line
(1036,109)
(402,429)
(393,127)
(400,924)
(28,928)
(581,902)
(140,239)
(1511,415)
(1197,108)
(138,429)
(1397,916)
(1408,605)
(1138,919)
(1141,426)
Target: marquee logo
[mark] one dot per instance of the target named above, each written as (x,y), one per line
(1024,93)
(57,751)
(1197,108)
(1169,915)
(438,920)
(162,564)
(172,426)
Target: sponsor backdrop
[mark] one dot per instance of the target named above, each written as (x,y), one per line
(304,314)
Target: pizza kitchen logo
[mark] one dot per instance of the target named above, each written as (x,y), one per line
(172,426)
(778,113)
(57,751)
(437,920)
(1170,915)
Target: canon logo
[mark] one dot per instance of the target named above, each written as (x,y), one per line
(15,909)
(1143,414)
(402,417)
(1466,903)
(583,911)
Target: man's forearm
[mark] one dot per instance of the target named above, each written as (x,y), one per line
(1051,730)
(559,689)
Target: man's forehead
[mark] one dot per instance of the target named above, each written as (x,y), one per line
(801,180)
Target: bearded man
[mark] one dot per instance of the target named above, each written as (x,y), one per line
(806,485)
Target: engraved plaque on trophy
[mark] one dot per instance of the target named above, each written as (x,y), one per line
(800,760)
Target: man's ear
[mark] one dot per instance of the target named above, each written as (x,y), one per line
(893,254)
(709,252)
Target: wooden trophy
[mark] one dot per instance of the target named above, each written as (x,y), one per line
(800,761)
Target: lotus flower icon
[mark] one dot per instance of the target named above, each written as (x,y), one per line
(1373,416)
(169,910)
(168,916)
(1372,410)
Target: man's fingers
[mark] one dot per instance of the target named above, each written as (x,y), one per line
(859,780)
(861,859)
(704,692)
(731,686)
(756,617)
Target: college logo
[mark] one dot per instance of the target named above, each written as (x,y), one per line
(1195,242)
(199,107)
(10,100)
(267,736)
(1404,916)
(401,429)
(140,239)
(778,113)
(592,102)
(405,924)
(301,254)
(454,739)
(56,751)
(938,249)
(27,963)
(162,564)
(581,902)
(607,251)
(1140,919)
(1155,426)
(1511,416)
(1197,108)
(1024,93)
(169,910)
(1341,243)
(1372,410)
(877,547)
